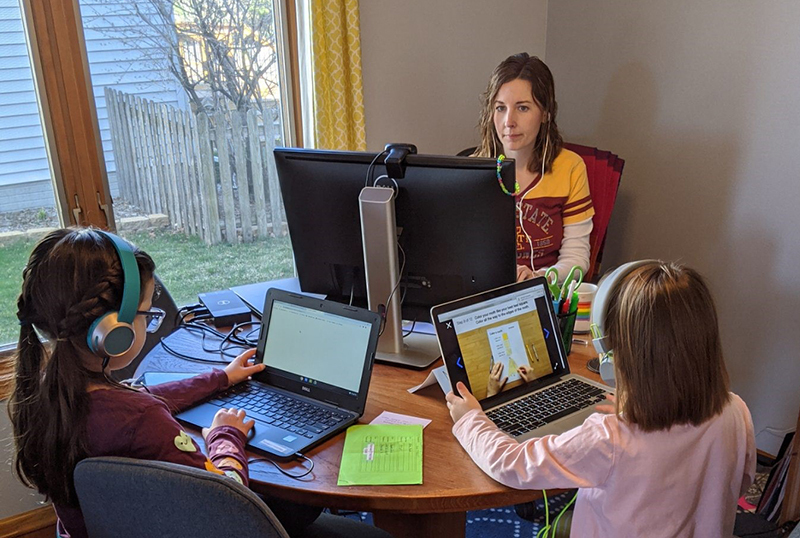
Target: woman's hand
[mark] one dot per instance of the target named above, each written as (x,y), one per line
(524,273)
(496,379)
(462,404)
(241,367)
(525,373)
(230,417)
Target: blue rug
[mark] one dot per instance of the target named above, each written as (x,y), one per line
(501,522)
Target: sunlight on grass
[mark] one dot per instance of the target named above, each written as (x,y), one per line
(185,264)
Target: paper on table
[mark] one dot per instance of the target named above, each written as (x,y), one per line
(436,375)
(381,455)
(387,417)
(419,327)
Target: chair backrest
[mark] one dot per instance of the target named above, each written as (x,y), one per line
(122,497)
(604,170)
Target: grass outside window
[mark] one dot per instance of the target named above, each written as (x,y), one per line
(185,264)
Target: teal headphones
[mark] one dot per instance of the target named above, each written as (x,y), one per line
(597,317)
(112,335)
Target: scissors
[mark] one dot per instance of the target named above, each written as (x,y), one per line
(552,282)
(575,275)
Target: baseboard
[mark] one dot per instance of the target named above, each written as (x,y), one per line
(38,523)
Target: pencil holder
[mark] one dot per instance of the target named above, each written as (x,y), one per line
(566,322)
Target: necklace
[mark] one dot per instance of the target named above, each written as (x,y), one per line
(500,159)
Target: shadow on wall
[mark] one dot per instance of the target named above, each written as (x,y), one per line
(676,187)
(676,202)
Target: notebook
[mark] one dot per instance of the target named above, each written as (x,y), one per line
(318,356)
(515,326)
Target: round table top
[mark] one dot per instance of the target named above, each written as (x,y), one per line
(451,481)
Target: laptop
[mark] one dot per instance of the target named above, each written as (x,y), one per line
(254,295)
(515,325)
(318,356)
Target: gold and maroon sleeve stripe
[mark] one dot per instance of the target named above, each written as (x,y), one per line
(582,201)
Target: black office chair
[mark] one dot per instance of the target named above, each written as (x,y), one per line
(164,302)
(123,497)
(466,152)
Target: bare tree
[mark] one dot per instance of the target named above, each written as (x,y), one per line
(222,52)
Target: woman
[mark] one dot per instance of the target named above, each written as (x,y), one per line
(554,208)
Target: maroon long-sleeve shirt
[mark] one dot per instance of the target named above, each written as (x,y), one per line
(135,424)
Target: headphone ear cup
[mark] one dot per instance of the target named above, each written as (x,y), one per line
(109,337)
(607,369)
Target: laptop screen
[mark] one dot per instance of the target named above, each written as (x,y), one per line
(509,328)
(317,348)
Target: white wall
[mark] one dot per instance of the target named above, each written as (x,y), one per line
(426,62)
(702,99)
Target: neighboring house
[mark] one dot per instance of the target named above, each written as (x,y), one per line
(120,62)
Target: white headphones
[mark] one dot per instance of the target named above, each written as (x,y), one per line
(599,311)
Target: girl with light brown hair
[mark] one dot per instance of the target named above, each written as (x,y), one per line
(554,207)
(678,452)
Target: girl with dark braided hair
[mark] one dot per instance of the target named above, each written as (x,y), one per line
(64,406)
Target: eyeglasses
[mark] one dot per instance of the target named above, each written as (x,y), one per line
(153,318)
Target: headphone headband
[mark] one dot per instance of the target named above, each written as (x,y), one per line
(130,269)
(112,334)
(599,311)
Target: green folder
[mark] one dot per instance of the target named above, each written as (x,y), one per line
(381,455)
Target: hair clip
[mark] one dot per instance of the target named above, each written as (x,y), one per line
(500,159)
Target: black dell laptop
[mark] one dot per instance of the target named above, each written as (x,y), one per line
(318,356)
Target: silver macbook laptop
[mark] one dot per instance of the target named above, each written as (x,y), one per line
(513,329)
(318,356)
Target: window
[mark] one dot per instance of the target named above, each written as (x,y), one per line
(190,97)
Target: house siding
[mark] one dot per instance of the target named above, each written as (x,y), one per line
(114,61)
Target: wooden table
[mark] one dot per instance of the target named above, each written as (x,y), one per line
(452,483)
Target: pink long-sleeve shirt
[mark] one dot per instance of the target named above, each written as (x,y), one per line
(682,482)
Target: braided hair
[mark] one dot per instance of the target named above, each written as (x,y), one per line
(73,276)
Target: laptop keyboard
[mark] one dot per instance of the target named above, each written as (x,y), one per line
(536,410)
(281,410)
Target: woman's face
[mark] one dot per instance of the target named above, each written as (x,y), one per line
(517,117)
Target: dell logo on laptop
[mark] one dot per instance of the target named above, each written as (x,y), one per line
(306,389)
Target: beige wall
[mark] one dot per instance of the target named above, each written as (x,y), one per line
(425,63)
(702,99)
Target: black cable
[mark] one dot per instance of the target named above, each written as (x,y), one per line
(284,471)
(188,357)
(396,286)
(411,330)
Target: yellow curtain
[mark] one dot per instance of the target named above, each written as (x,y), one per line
(338,98)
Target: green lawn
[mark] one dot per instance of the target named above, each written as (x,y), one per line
(185,264)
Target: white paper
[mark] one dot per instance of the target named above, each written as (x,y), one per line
(387,417)
(508,348)
(420,327)
(437,375)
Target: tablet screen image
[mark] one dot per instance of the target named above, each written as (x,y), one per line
(508,332)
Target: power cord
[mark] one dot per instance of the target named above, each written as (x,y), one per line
(391,295)
(547,529)
(284,471)
(372,166)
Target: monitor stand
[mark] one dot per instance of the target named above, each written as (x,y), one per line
(379,240)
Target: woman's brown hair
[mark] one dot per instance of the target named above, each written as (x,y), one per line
(663,328)
(73,276)
(525,67)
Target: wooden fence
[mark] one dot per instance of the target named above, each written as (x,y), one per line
(214,176)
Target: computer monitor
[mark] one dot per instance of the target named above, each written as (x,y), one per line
(455,226)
